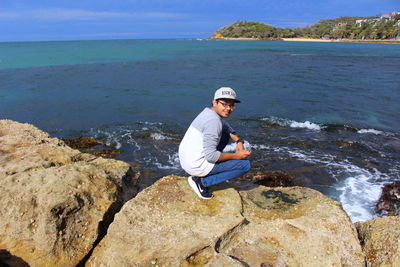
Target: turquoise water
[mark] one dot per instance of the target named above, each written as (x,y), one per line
(301,102)
(320,82)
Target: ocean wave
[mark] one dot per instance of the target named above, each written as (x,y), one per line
(158,136)
(130,135)
(231,147)
(360,192)
(357,189)
(372,131)
(306,125)
(282,122)
(173,162)
(275,121)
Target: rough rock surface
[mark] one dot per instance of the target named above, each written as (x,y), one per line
(381,241)
(389,201)
(54,199)
(168,225)
(294,226)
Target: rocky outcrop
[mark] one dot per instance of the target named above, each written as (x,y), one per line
(380,238)
(58,203)
(168,225)
(389,201)
(55,201)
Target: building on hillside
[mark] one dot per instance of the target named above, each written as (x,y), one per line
(359,22)
(390,15)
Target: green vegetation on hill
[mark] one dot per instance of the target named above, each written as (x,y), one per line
(383,27)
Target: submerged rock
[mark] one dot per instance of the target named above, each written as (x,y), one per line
(92,146)
(381,241)
(271,179)
(56,201)
(168,225)
(81,142)
(389,201)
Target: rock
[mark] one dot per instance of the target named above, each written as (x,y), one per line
(168,225)
(389,201)
(271,179)
(293,226)
(91,145)
(381,241)
(107,152)
(81,142)
(55,200)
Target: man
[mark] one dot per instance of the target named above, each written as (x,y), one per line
(200,151)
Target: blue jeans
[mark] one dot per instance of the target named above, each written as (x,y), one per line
(226,170)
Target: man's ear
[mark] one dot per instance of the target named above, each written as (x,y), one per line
(214,103)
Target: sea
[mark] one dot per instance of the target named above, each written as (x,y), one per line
(327,114)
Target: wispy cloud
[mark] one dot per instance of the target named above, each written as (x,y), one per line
(8,15)
(57,14)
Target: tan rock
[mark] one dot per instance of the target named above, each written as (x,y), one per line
(54,199)
(168,225)
(293,226)
(381,241)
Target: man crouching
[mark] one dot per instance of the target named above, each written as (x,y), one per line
(200,151)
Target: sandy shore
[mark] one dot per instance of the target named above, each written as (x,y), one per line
(309,40)
(342,41)
(306,40)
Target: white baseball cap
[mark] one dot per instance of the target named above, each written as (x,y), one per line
(225,93)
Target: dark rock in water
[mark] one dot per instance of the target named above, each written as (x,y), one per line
(92,146)
(392,146)
(389,202)
(312,174)
(338,128)
(270,179)
(107,153)
(81,142)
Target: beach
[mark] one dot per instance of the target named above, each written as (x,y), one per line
(390,41)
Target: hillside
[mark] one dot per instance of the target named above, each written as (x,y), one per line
(381,27)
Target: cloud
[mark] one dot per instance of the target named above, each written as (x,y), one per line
(8,15)
(58,14)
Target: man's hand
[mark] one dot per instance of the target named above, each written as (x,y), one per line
(239,146)
(242,154)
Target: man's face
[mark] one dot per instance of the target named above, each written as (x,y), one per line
(223,107)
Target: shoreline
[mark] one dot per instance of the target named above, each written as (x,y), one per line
(298,39)
(341,41)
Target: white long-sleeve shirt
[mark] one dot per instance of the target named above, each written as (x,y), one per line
(198,148)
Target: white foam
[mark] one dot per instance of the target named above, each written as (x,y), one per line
(360,189)
(306,125)
(232,147)
(158,136)
(259,147)
(116,137)
(373,131)
(359,193)
(292,123)
(173,161)
(278,121)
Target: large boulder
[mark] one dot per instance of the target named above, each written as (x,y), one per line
(168,225)
(293,226)
(55,201)
(381,241)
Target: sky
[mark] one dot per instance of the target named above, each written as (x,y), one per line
(42,20)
